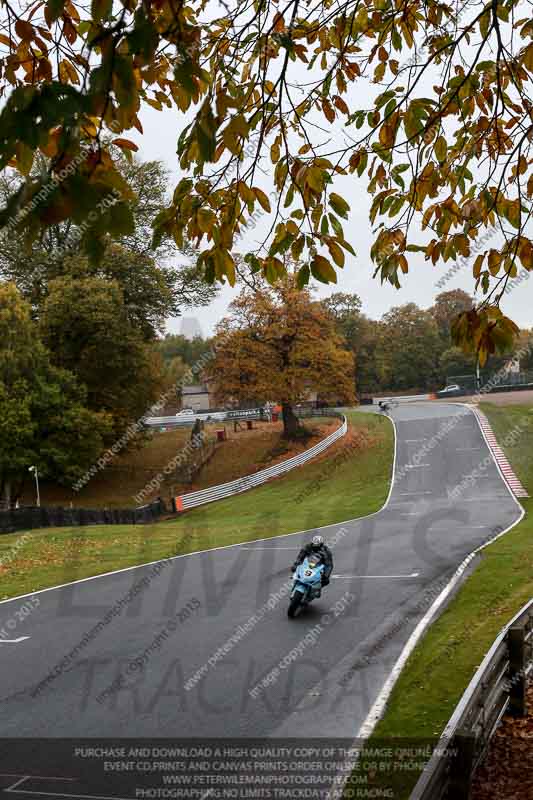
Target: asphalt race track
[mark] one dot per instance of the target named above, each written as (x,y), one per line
(315,676)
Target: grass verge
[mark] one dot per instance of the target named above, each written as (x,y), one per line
(349,480)
(445,661)
(245,451)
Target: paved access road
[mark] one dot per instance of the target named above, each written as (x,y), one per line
(221,623)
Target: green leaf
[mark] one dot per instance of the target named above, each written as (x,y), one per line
(322,270)
(384,98)
(302,276)
(55,8)
(337,227)
(484,22)
(24,158)
(184,75)
(253,262)
(205,131)
(121,220)
(143,39)
(271,273)
(289,198)
(297,247)
(485,66)
(347,246)
(441,148)
(94,247)
(339,205)
(125,84)
(183,188)
(362,163)
(101,9)
(396,39)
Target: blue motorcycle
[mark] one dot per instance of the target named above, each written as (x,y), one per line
(307,584)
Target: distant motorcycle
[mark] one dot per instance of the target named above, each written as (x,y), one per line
(386,405)
(307,584)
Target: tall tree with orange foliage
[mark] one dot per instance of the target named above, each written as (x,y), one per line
(279,344)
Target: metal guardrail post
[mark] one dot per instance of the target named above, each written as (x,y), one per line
(465,744)
(516,642)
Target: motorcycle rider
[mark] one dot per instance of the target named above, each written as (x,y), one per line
(317,547)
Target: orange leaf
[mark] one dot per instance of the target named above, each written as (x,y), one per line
(328,111)
(67,72)
(125,144)
(6,40)
(24,29)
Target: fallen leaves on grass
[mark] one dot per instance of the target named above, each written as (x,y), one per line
(57,554)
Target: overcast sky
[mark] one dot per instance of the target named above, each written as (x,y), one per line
(161,130)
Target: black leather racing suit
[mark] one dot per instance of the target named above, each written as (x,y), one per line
(321,550)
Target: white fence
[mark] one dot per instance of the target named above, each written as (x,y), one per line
(202,496)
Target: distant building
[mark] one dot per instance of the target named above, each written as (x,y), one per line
(197,397)
(190,328)
(202,397)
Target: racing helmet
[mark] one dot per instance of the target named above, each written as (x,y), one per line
(317,541)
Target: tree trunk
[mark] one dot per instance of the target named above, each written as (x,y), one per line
(16,491)
(7,493)
(291,423)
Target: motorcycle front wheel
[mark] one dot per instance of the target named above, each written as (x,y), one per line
(294,604)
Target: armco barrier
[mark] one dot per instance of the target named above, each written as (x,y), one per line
(498,687)
(223,490)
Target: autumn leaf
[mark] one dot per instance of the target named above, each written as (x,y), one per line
(125,144)
(441,148)
(336,253)
(262,198)
(322,270)
(478,263)
(67,72)
(7,41)
(494,262)
(339,205)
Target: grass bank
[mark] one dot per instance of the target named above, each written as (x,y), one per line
(445,661)
(245,451)
(349,480)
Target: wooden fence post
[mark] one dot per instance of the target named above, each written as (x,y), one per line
(516,642)
(464,743)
